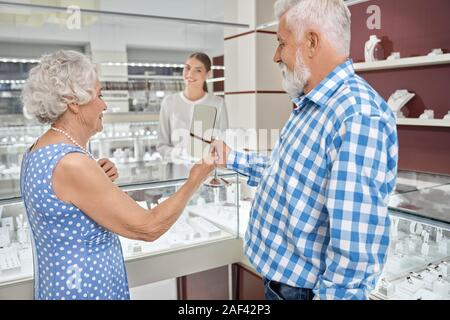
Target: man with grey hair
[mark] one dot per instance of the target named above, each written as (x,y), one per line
(319,223)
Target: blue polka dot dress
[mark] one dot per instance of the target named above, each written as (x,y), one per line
(74,257)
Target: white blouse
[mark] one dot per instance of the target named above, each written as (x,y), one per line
(175,121)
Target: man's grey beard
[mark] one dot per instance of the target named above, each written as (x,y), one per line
(294,82)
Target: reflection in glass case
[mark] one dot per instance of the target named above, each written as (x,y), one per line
(193,228)
(142,93)
(432,202)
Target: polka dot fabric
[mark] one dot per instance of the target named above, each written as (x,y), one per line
(75,258)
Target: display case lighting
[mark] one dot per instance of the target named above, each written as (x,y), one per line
(114,64)
(16,60)
(154,65)
(11,81)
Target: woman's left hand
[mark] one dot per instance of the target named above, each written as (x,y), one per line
(109,168)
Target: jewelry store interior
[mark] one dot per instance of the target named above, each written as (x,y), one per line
(140,49)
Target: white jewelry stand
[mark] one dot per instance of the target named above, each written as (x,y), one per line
(447,116)
(369,48)
(411,285)
(387,288)
(427,114)
(398,100)
(5,239)
(394,56)
(9,259)
(435,52)
(441,287)
(204,227)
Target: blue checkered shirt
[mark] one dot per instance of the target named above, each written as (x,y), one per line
(320,219)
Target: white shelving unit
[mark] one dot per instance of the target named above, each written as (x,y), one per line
(412,62)
(403,63)
(423,122)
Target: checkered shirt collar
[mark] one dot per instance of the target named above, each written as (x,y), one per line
(325,89)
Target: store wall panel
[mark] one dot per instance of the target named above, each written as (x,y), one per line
(412,27)
(273,111)
(241,110)
(424,149)
(239,63)
(264,11)
(268,74)
(239,11)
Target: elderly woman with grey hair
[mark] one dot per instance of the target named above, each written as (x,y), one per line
(74,209)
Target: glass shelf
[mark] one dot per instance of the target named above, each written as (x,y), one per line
(423,122)
(403,63)
(408,181)
(422,194)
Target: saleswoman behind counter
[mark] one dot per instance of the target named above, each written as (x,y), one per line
(177,109)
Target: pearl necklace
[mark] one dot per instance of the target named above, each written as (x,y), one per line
(72,140)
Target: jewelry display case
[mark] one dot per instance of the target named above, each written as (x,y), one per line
(214,237)
(215,220)
(419,251)
(127,144)
(130,145)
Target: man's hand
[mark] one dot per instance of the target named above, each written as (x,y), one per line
(220,151)
(109,168)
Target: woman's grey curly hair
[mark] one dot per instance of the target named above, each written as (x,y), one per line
(61,78)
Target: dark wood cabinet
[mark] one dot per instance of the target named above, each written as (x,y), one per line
(213,285)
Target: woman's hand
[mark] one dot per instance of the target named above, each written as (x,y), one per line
(109,168)
(201,170)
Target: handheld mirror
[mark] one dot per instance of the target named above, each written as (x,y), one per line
(203,122)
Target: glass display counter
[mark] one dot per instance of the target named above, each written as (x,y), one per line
(210,220)
(419,251)
(417,265)
(209,232)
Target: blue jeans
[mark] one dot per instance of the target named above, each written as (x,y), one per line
(274,290)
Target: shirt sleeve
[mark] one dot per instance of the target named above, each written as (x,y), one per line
(357,196)
(248,164)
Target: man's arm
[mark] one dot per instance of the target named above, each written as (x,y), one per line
(356,202)
(249,164)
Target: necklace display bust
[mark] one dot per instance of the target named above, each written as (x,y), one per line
(373,49)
